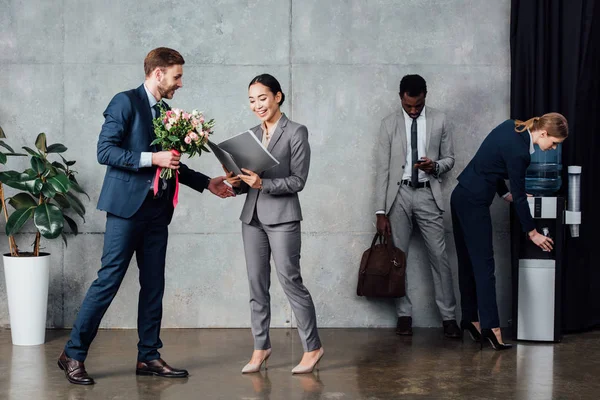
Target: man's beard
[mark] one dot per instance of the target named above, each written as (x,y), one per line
(166,91)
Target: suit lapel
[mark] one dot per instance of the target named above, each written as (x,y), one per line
(428,128)
(278,132)
(401,131)
(146,114)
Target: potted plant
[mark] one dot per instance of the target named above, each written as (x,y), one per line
(47,195)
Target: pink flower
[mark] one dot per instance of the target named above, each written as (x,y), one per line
(187,140)
(202,119)
(168,127)
(186,115)
(193,135)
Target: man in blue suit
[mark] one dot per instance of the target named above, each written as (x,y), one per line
(137,220)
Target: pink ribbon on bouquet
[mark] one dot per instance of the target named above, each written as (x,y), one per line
(157,179)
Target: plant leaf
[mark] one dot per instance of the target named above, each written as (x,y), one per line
(40,142)
(75,186)
(34,187)
(62,201)
(2,135)
(2,158)
(18,219)
(22,200)
(72,224)
(76,204)
(173,139)
(48,191)
(7,147)
(31,151)
(60,183)
(38,165)
(49,220)
(56,148)
(59,165)
(64,238)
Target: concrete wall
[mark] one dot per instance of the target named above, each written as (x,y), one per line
(339,63)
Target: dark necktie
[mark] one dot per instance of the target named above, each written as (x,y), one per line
(414,179)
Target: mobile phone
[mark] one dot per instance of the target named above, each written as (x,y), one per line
(419,161)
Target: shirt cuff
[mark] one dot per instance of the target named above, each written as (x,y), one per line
(505,195)
(380,212)
(145,159)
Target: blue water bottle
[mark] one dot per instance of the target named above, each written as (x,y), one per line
(543,175)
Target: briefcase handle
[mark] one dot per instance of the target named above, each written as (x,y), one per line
(387,241)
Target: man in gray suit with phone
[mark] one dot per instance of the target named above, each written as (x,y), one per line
(414,150)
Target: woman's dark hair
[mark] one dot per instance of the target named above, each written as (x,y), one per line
(413,85)
(270,82)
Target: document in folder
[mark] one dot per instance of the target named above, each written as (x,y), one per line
(243,151)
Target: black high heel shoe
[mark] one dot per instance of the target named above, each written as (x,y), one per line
(491,337)
(469,327)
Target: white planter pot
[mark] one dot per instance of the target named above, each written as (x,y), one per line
(27,291)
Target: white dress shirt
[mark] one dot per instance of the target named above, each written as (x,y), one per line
(266,136)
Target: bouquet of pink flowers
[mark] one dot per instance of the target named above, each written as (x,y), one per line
(182,133)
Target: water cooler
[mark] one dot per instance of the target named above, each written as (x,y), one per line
(536,274)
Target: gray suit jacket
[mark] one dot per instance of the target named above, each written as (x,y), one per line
(391,156)
(278,201)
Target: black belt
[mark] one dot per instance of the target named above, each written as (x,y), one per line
(419,185)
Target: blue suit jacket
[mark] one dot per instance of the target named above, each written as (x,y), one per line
(126,133)
(504,154)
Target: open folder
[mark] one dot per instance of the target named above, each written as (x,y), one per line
(243,150)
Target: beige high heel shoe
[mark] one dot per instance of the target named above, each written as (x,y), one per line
(300,369)
(251,368)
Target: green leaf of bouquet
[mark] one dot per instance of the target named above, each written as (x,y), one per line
(2,158)
(69,163)
(7,147)
(72,224)
(60,183)
(37,164)
(22,200)
(76,204)
(49,220)
(40,142)
(17,220)
(56,148)
(155,141)
(173,138)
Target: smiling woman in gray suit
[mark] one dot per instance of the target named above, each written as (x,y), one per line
(271,224)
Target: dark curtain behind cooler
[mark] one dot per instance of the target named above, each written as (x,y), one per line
(555,66)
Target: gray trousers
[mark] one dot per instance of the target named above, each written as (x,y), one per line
(283,242)
(420,204)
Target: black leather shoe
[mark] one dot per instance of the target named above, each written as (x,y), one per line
(159,367)
(404,326)
(74,370)
(451,329)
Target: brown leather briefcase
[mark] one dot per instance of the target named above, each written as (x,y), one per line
(382,270)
